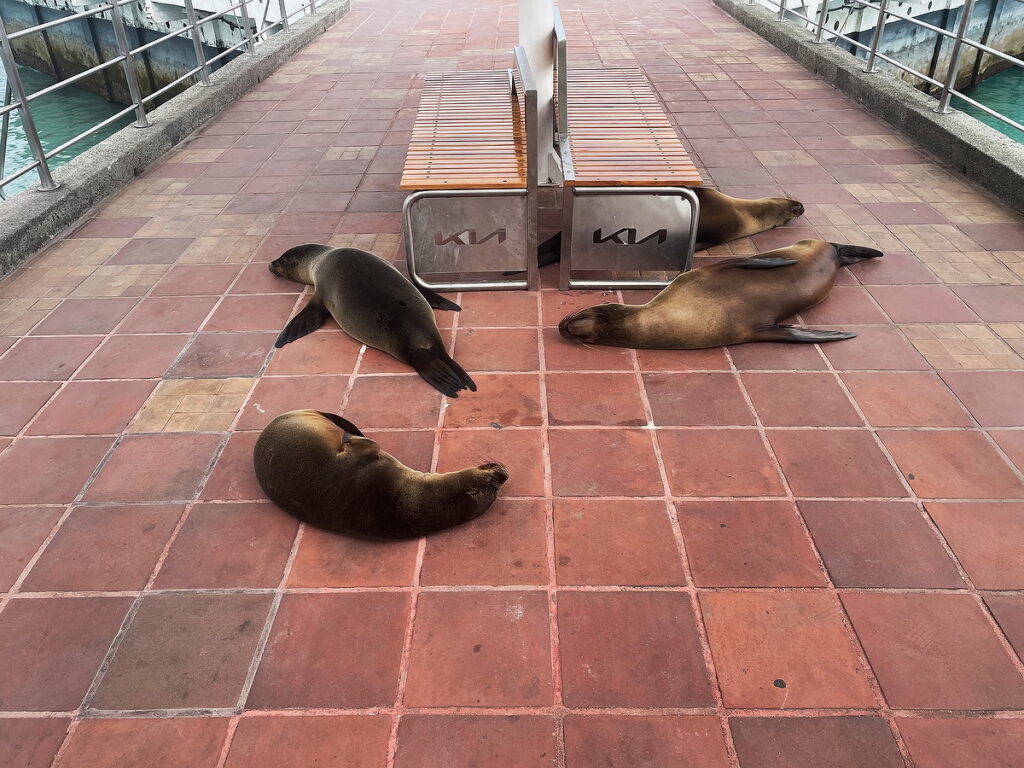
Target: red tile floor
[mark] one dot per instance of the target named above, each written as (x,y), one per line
(761,556)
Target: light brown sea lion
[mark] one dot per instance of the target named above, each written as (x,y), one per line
(730,302)
(374,303)
(319,468)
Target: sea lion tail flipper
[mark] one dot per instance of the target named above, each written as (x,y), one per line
(344,424)
(437,301)
(754,262)
(798,335)
(442,373)
(312,316)
(851,254)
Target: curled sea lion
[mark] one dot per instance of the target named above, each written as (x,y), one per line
(374,303)
(730,302)
(319,468)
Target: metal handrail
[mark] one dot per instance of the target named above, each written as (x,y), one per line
(947,85)
(20,101)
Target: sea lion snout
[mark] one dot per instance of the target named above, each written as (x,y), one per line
(499,472)
(796,209)
(579,326)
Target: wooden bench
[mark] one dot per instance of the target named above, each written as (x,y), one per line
(473,211)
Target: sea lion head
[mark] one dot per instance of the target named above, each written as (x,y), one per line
(293,264)
(784,209)
(482,483)
(602,324)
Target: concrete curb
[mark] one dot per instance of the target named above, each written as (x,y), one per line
(982,154)
(32,217)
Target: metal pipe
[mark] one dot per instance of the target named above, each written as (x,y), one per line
(284,15)
(57,22)
(4,126)
(249,45)
(954,58)
(876,38)
(782,10)
(819,27)
(27,123)
(141,121)
(312,7)
(197,44)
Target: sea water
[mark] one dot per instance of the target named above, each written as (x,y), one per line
(1003,92)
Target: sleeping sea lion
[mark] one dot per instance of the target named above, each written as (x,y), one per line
(374,303)
(731,302)
(319,468)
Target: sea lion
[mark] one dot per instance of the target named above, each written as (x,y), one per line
(722,218)
(374,303)
(320,468)
(731,302)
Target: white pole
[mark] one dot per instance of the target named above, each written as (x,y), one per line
(536,36)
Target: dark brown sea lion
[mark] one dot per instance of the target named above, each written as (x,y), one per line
(319,468)
(731,302)
(722,218)
(374,303)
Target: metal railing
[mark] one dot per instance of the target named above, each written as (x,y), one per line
(16,99)
(945,89)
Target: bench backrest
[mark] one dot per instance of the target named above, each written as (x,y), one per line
(524,93)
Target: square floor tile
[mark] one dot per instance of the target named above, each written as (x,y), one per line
(599,541)
(48,359)
(771,356)
(31,742)
(508,400)
(280,394)
(879,544)
(495,741)
(947,742)
(173,314)
(151,250)
(480,649)
(1009,614)
(72,634)
(133,357)
(631,649)
(233,478)
(144,742)
(1012,443)
(414,448)
(682,359)
(326,559)
(331,352)
(894,269)
(934,651)
(498,309)
(905,400)
(22,400)
(992,397)
(197,280)
(994,303)
(76,457)
(84,316)
(644,741)
(696,399)
(952,465)
(986,539)
(124,226)
(922,304)
(164,467)
(879,348)
(834,462)
(306,666)
(784,650)
(393,401)
(486,349)
(521,450)
(229,545)
(92,408)
(811,742)
(846,304)
(748,544)
(800,400)
(352,741)
(224,354)
(607,399)
(718,462)
(22,531)
(257,278)
(614,462)
(563,355)
(185,651)
(507,545)
(104,549)
(251,313)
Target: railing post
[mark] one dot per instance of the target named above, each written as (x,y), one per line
(312,7)
(249,45)
(819,28)
(284,15)
(128,62)
(782,10)
(876,38)
(197,43)
(27,123)
(954,58)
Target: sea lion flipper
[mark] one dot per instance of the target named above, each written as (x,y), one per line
(344,424)
(851,254)
(437,301)
(755,262)
(441,372)
(798,335)
(312,316)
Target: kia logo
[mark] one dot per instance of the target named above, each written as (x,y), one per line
(467,237)
(630,233)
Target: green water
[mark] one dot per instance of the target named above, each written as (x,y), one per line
(1005,94)
(59,116)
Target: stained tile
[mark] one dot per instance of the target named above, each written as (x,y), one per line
(355,741)
(718,462)
(772,356)
(177,314)
(22,400)
(934,651)
(233,478)
(992,397)
(905,400)
(84,316)
(986,540)
(48,359)
(480,649)
(92,408)
(608,399)
(224,354)
(846,304)
(800,400)
(834,463)
(22,531)
(26,468)
(1008,611)
(521,450)
(879,348)
(155,468)
(696,399)
(197,280)
(151,250)
(630,649)
(509,400)
(809,742)
(497,741)
(994,303)
(144,742)
(922,304)
(133,357)
(946,742)
(563,355)
(326,559)
(618,462)
(251,313)
(31,742)
(479,349)
(647,741)
(318,353)
(498,309)
(276,395)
